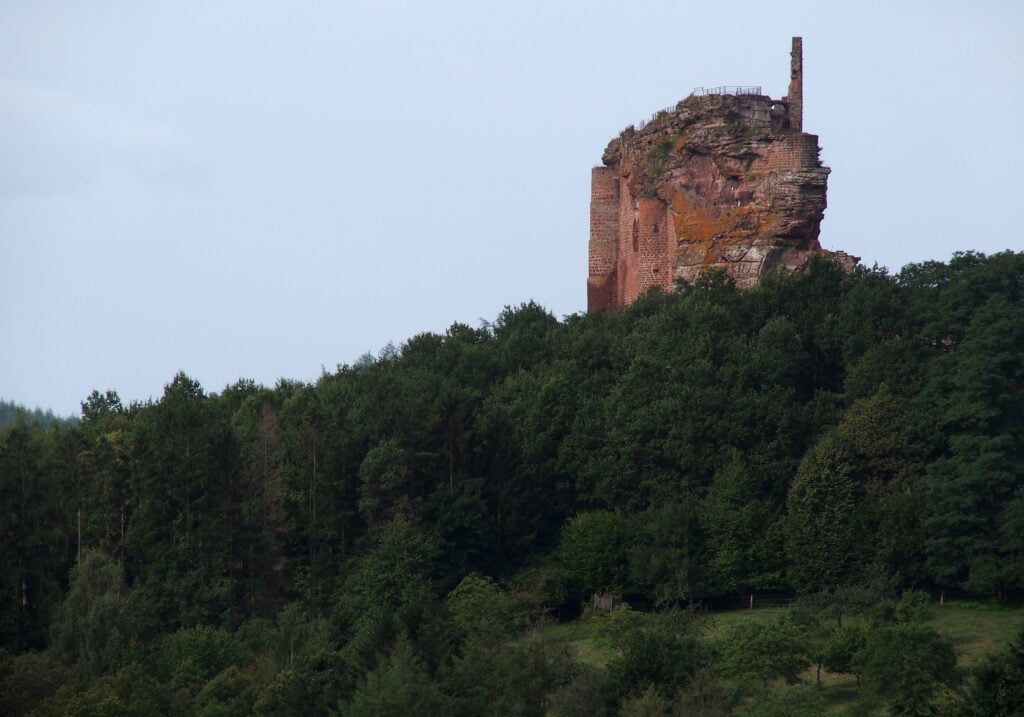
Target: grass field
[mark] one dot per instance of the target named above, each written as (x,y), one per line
(976,629)
(585,641)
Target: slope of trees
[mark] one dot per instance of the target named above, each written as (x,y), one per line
(11,412)
(291,548)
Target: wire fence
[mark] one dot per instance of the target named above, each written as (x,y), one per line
(702,91)
(727,90)
(660,113)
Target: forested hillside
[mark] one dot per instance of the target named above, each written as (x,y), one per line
(11,412)
(307,548)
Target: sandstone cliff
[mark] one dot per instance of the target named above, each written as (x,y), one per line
(726,178)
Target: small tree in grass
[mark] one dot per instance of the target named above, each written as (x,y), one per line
(906,665)
(842,647)
(762,653)
(996,686)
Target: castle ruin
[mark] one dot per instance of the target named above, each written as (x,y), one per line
(726,178)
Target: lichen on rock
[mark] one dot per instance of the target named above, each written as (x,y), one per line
(721,180)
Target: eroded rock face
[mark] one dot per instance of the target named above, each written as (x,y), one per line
(720,180)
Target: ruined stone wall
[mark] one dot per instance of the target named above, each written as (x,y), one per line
(725,181)
(604,237)
(645,260)
(795,95)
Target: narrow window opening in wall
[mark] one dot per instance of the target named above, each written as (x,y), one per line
(636,235)
(654,228)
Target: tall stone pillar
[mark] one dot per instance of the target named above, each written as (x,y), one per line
(604,238)
(795,96)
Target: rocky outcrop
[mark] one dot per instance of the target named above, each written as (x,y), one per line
(724,179)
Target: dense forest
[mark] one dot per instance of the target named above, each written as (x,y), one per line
(11,412)
(386,540)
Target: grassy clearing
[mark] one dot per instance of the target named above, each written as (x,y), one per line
(584,639)
(976,629)
(719,622)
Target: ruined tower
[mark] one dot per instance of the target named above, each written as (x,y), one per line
(726,178)
(795,96)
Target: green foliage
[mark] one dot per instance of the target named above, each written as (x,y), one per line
(659,658)
(580,693)
(618,625)
(11,413)
(193,656)
(906,665)
(494,678)
(648,704)
(842,647)
(93,628)
(399,686)
(966,421)
(655,163)
(761,653)
(823,519)
(390,580)
(231,693)
(130,691)
(479,608)
(744,537)
(851,437)
(996,686)
(298,639)
(785,703)
(34,534)
(594,552)
(385,490)
(858,598)
(662,149)
(914,606)
(666,560)
(27,680)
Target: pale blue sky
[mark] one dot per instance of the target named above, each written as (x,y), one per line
(262,189)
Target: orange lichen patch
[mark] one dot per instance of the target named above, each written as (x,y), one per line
(695,224)
(720,180)
(681,203)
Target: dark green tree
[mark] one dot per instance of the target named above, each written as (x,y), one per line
(968,421)
(995,688)
(906,665)
(824,529)
(94,628)
(759,653)
(36,500)
(594,552)
(397,687)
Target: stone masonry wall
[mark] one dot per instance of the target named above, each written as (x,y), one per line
(722,180)
(604,233)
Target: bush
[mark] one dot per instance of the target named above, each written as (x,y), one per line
(906,665)
(480,608)
(996,686)
(619,625)
(765,652)
(27,680)
(663,659)
(842,647)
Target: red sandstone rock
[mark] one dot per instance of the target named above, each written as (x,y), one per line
(720,180)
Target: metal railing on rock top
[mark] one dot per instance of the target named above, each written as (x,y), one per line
(727,90)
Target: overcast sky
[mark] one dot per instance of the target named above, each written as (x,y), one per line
(269,189)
